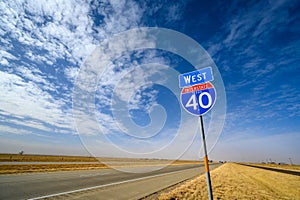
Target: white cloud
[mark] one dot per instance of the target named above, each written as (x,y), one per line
(5,54)
(174,12)
(60,29)
(18,131)
(71,73)
(10,130)
(3,61)
(38,34)
(63,28)
(24,99)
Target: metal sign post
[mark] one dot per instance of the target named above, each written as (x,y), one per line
(197,97)
(210,194)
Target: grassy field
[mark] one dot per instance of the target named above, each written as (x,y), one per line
(234,181)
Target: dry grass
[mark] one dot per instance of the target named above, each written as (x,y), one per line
(187,162)
(44,158)
(233,181)
(13,169)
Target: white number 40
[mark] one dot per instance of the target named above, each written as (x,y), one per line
(192,102)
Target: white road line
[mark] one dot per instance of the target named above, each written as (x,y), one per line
(106,185)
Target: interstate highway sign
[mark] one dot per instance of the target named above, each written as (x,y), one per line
(195,77)
(198,99)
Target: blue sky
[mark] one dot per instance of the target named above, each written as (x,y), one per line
(45,45)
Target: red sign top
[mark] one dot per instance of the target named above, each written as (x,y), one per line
(197,87)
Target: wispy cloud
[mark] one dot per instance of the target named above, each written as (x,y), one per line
(25,99)
(249,31)
(256,56)
(38,39)
(43,45)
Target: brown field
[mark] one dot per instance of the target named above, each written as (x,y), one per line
(234,181)
(63,158)
(13,169)
(44,158)
(59,166)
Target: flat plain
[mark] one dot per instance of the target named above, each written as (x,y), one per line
(229,181)
(235,181)
(15,163)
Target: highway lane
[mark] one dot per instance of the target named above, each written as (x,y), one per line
(90,182)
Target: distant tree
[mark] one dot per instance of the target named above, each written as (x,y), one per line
(21,152)
(291,162)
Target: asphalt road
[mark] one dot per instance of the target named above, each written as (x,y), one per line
(94,184)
